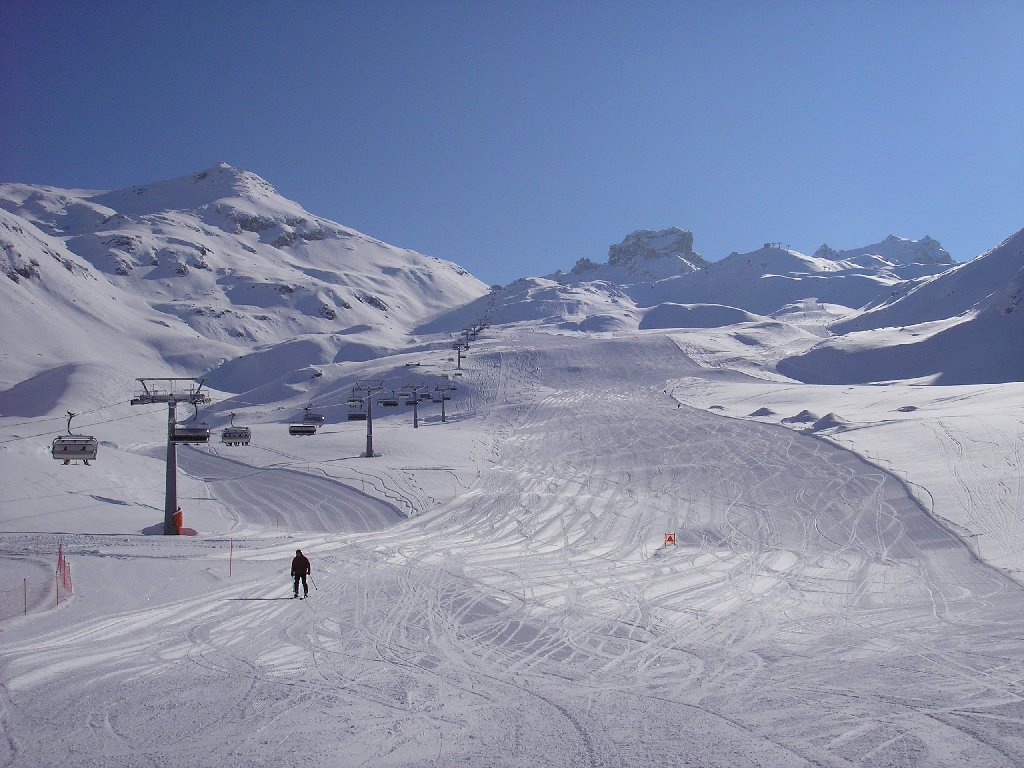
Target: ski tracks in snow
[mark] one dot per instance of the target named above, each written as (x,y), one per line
(812,613)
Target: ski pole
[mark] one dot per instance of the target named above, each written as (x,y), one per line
(313,583)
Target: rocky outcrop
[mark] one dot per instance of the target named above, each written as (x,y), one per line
(648,244)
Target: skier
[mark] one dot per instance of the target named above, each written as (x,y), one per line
(300,568)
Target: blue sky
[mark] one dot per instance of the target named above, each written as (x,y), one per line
(516,137)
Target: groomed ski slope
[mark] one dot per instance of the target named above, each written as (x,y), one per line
(812,613)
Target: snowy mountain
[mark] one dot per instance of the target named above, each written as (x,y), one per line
(911,258)
(218,260)
(964,326)
(651,274)
(216,273)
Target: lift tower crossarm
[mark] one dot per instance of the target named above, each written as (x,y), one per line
(148,396)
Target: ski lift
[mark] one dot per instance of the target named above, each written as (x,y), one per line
(355,402)
(191,431)
(302,428)
(389,402)
(357,416)
(235,435)
(311,417)
(72,447)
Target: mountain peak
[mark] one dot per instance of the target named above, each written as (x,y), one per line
(647,254)
(648,244)
(220,182)
(894,249)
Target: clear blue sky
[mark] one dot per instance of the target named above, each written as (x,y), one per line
(516,137)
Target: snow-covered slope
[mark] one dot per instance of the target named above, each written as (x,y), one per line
(965,326)
(221,259)
(497,590)
(967,287)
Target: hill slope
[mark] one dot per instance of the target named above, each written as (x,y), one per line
(964,326)
(221,260)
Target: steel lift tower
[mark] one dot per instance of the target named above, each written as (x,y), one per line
(151,393)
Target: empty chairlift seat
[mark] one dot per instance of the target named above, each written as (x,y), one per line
(302,429)
(68,448)
(191,432)
(72,447)
(357,416)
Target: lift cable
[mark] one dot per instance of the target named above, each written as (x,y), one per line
(93,424)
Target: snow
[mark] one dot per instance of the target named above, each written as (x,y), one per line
(495,589)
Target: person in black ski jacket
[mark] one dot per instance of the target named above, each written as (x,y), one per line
(300,568)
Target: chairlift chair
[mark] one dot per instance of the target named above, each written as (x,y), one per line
(191,431)
(72,447)
(389,402)
(235,435)
(357,416)
(198,432)
(311,417)
(301,429)
(355,402)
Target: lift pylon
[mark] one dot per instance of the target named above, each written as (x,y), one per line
(151,393)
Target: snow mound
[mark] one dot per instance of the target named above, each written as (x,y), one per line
(763,412)
(804,417)
(829,421)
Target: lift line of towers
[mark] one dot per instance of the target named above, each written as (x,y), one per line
(74,447)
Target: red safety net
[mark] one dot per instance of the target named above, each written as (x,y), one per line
(63,574)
